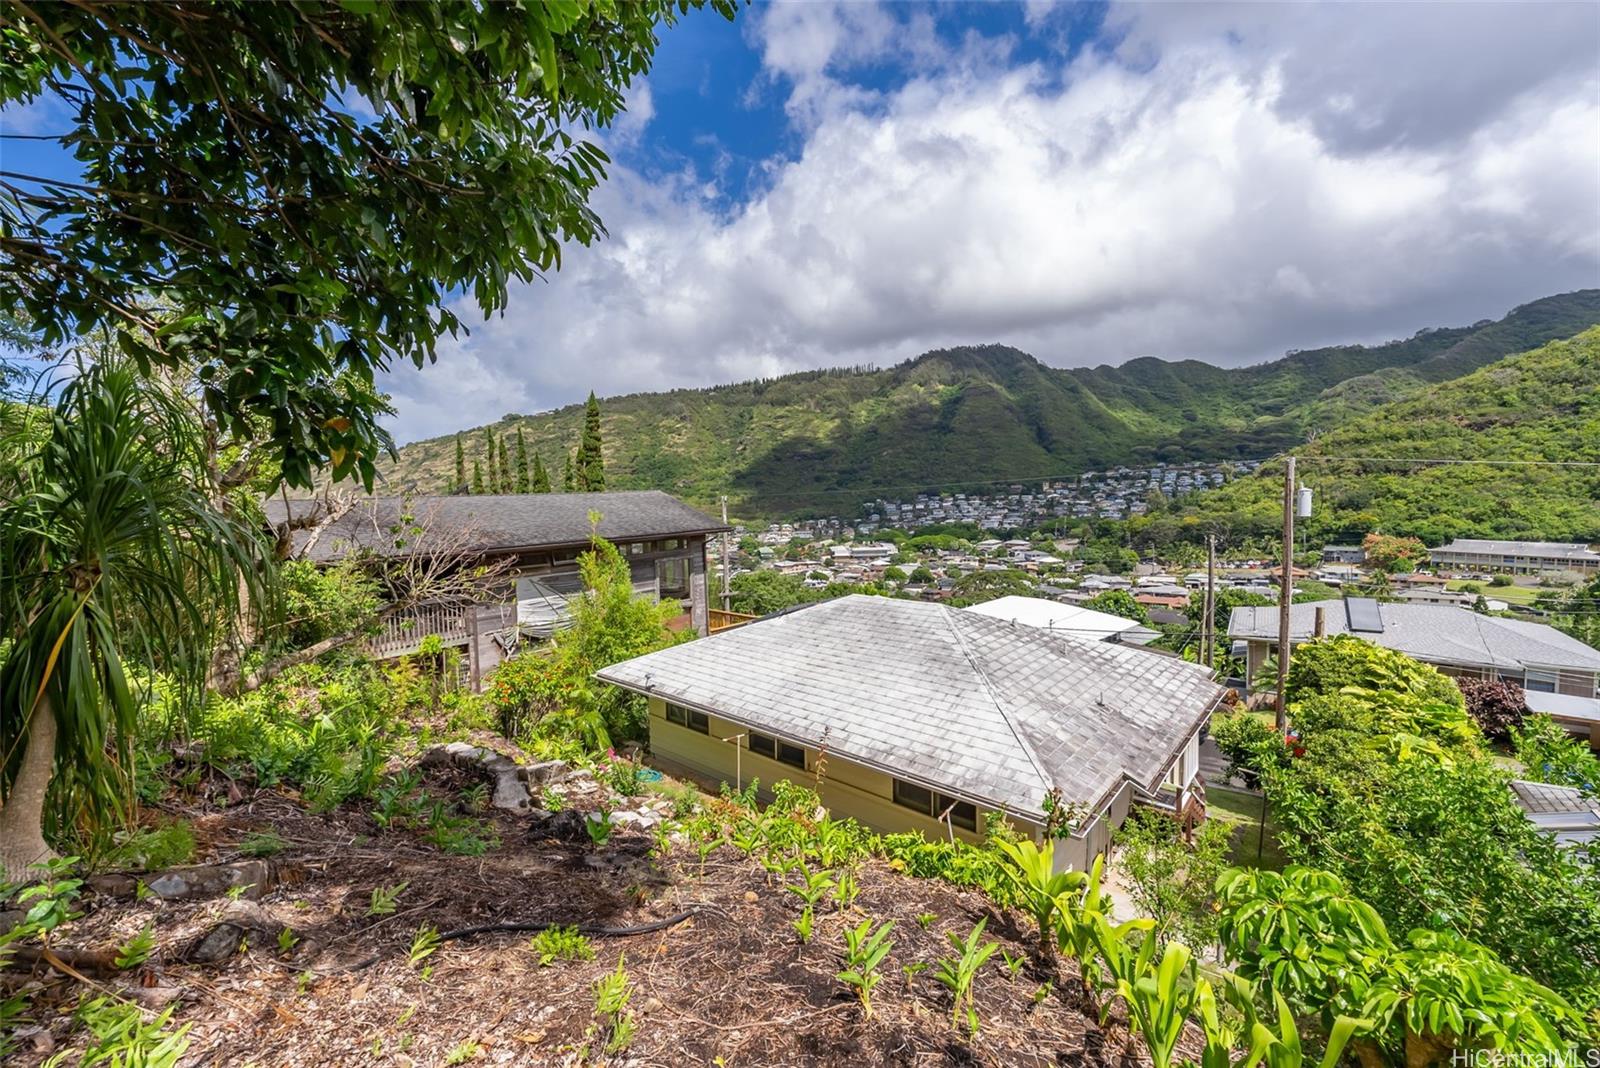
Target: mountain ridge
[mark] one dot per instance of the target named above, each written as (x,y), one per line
(816,440)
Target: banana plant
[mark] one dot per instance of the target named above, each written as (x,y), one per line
(1161,1000)
(1033,870)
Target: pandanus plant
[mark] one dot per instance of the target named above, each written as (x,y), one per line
(113,556)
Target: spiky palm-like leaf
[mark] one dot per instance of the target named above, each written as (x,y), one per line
(112,553)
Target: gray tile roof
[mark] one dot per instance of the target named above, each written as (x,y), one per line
(993,711)
(501,523)
(1436,633)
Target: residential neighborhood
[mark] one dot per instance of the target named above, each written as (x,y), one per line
(799,534)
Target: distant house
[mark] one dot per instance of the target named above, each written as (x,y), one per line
(1515,557)
(542,534)
(1563,812)
(1174,597)
(1536,657)
(1066,619)
(1343,554)
(930,717)
(1452,598)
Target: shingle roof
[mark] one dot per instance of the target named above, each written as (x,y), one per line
(985,709)
(1065,619)
(1562,549)
(1437,633)
(498,523)
(1565,812)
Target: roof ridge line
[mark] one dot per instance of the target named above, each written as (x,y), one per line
(988,688)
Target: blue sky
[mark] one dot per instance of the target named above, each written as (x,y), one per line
(825,184)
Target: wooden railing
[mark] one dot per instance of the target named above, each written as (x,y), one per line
(719,619)
(403,632)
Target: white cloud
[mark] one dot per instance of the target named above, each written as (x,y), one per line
(1187,195)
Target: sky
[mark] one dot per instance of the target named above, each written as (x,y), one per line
(822,184)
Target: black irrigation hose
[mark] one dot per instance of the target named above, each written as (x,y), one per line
(532,925)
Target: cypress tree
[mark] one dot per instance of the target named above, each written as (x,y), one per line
(569,481)
(489,461)
(477,477)
(591,464)
(524,478)
(541,477)
(507,485)
(461,468)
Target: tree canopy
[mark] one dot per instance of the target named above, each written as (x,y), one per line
(290,193)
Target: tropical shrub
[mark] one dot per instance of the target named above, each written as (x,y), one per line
(1498,708)
(550,691)
(1040,886)
(1549,754)
(1170,880)
(1390,793)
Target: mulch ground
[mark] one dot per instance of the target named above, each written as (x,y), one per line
(732,986)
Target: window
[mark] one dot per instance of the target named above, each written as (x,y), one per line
(673,578)
(782,752)
(913,797)
(688,717)
(962,814)
(1540,680)
(933,805)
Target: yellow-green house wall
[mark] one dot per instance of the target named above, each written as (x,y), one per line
(849,789)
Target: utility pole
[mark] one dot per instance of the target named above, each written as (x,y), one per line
(1208,623)
(1285,593)
(727,594)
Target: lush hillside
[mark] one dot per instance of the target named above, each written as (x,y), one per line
(818,441)
(1541,405)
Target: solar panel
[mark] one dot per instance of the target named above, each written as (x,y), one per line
(1362,615)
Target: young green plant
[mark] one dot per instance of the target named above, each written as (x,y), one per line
(958,972)
(864,950)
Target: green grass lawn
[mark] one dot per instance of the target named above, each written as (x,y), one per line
(1509,594)
(1243,810)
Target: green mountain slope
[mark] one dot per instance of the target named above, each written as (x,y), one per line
(820,441)
(1540,405)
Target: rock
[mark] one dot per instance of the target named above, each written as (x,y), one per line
(155,997)
(507,776)
(751,896)
(220,943)
(212,880)
(545,771)
(564,826)
(240,919)
(510,794)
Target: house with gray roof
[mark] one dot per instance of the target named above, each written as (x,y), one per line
(930,717)
(1458,642)
(1515,557)
(538,536)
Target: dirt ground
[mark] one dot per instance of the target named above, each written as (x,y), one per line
(731,986)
